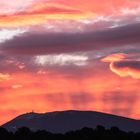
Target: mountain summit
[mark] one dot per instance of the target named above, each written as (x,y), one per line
(63,121)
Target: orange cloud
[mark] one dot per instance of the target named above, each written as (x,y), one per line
(17,86)
(4,76)
(125,71)
(105,7)
(114,57)
(41,13)
(122,66)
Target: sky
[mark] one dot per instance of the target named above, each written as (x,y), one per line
(69,55)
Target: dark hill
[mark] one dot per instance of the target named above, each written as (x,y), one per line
(63,121)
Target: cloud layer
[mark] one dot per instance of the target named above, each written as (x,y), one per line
(34,43)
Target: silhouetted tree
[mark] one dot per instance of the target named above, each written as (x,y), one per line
(99,133)
(4,134)
(23,133)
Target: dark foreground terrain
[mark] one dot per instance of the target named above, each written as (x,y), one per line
(85,125)
(64,121)
(99,133)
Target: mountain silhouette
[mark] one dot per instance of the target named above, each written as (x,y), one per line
(63,121)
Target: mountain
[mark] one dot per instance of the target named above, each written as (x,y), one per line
(63,121)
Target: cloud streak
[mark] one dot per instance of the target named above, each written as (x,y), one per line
(52,43)
(41,13)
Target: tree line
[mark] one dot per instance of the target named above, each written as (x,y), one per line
(99,133)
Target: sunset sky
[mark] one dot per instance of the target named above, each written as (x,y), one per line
(69,55)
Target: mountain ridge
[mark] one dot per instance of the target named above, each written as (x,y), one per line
(63,121)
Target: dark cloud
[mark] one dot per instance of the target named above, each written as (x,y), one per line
(127,64)
(75,72)
(10,64)
(52,43)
